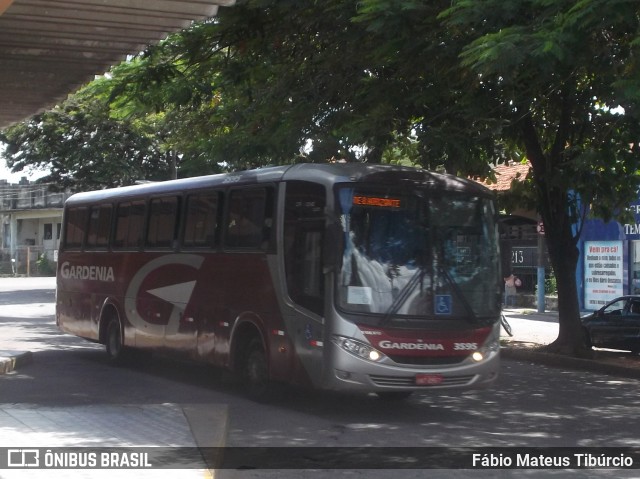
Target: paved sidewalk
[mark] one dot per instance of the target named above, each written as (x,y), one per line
(97,427)
(532,330)
(30,427)
(529,326)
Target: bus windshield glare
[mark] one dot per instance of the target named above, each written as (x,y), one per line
(419,255)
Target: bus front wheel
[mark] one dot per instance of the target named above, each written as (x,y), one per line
(256,372)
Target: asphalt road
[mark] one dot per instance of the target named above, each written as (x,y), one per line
(530,406)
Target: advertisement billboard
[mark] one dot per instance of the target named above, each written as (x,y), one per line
(603,272)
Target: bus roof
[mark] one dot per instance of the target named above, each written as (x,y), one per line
(323,173)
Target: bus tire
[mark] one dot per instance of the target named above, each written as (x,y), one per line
(113,342)
(256,373)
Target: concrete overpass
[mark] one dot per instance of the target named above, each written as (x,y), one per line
(48,48)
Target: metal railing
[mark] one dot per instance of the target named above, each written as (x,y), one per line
(27,261)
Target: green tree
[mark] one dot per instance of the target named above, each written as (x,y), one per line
(263,79)
(267,78)
(159,95)
(81,147)
(556,76)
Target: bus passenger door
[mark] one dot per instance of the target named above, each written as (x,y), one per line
(303,241)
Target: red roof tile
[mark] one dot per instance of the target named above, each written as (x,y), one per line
(505,174)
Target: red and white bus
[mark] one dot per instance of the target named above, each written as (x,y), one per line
(340,276)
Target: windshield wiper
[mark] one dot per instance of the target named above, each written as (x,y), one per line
(404,294)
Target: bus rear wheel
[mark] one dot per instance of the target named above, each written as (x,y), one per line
(113,342)
(256,373)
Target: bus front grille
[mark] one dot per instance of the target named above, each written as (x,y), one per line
(419,360)
(411,380)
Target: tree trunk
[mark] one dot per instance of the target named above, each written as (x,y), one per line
(553,206)
(564,259)
(173,164)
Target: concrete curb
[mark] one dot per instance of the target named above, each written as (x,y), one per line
(558,360)
(209,425)
(11,360)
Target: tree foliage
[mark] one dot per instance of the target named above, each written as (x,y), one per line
(82,148)
(269,78)
(558,75)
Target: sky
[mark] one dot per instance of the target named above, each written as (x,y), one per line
(5,173)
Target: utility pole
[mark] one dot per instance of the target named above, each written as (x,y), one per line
(541,257)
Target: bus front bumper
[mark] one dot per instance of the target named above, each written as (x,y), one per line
(351,373)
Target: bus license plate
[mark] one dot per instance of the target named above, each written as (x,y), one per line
(428,379)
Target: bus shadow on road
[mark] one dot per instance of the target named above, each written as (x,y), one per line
(530,404)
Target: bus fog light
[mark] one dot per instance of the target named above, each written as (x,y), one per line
(477,356)
(358,348)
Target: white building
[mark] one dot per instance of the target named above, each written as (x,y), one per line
(31,221)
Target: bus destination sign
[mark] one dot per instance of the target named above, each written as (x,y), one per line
(376,201)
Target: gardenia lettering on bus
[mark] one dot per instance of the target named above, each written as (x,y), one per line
(92,273)
(417,346)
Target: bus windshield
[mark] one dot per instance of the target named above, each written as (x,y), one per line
(418,255)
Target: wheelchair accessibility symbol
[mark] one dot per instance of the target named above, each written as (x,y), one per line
(443,304)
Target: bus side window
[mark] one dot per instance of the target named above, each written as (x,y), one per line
(129,225)
(250,219)
(201,223)
(161,232)
(99,226)
(304,225)
(75,227)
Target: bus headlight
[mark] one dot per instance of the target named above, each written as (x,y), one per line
(491,346)
(358,348)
